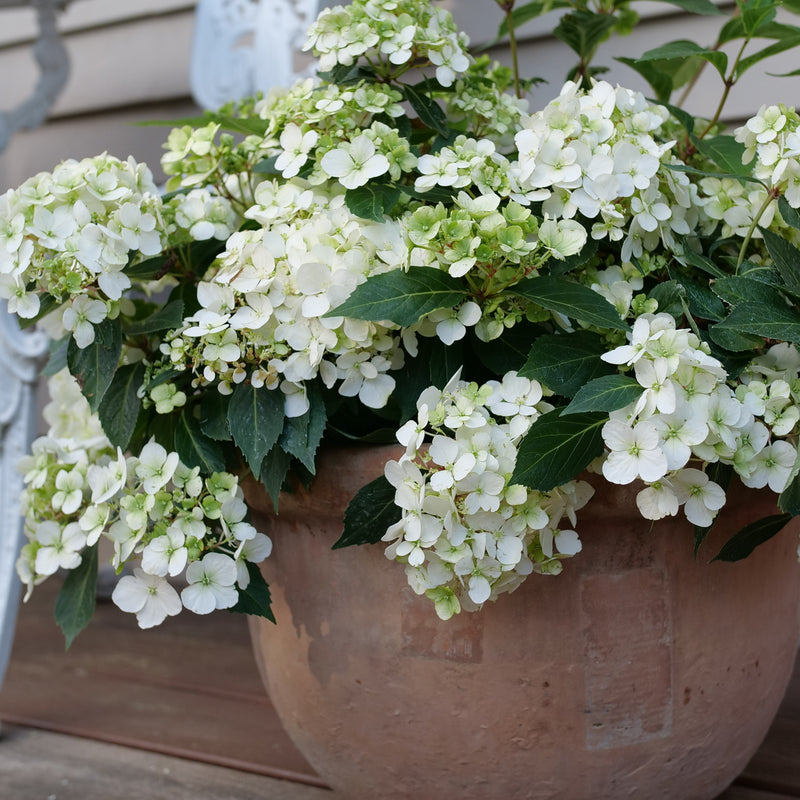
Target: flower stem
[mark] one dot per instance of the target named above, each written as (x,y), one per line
(507,7)
(772,194)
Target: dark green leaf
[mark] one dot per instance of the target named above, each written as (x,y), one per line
(267,166)
(76,600)
(427,109)
(571,299)
(121,404)
(692,259)
(583,31)
(570,263)
(670,296)
(790,215)
(756,13)
(705,7)
(273,472)
(401,296)
(194,447)
(725,152)
(256,598)
(214,416)
(58,356)
(789,499)
(735,290)
(563,362)
(510,351)
(767,52)
(730,339)
(786,257)
(150,268)
(703,303)
(758,319)
(721,474)
(94,366)
(301,435)
(348,74)
(741,544)
(255,419)
(372,201)
(557,448)
(166,318)
(607,393)
(657,73)
(369,514)
(683,49)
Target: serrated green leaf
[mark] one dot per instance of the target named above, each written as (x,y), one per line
(657,74)
(786,257)
(121,404)
(369,514)
(194,447)
(767,52)
(583,31)
(94,366)
(58,356)
(256,599)
(402,296)
(273,472)
(725,152)
(214,416)
(606,393)
(522,14)
(301,435)
(670,296)
(76,600)
(742,543)
(573,300)
(733,340)
(428,110)
(766,321)
(703,303)
(149,268)
(735,289)
(166,318)
(556,449)
(692,259)
(790,215)
(372,201)
(683,49)
(756,13)
(563,362)
(255,419)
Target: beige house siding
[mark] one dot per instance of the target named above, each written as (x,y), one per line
(131,62)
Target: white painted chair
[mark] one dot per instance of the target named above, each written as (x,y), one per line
(22,353)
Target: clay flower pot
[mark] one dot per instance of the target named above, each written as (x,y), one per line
(639,672)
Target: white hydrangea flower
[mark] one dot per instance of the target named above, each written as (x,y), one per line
(148,596)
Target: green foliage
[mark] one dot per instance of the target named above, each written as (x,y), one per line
(76,600)
(566,361)
(256,599)
(194,447)
(94,366)
(255,420)
(369,514)
(606,393)
(165,318)
(121,404)
(557,448)
(742,543)
(373,201)
(402,297)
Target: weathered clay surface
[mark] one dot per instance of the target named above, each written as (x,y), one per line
(637,673)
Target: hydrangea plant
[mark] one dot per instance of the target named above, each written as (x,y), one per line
(400,249)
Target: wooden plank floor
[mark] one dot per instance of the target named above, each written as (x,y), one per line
(190,688)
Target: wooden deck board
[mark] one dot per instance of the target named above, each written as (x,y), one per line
(189,688)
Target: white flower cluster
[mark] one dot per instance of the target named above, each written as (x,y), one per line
(70,233)
(386,31)
(156,512)
(467,534)
(596,153)
(772,140)
(687,412)
(262,314)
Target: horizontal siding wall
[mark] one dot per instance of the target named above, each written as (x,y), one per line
(130,62)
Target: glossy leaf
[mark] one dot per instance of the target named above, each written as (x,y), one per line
(165,318)
(683,49)
(121,404)
(76,600)
(564,362)
(255,419)
(301,435)
(573,300)
(725,152)
(767,321)
(583,31)
(741,544)
(786,257)
(94,366)
(372,201)
(194,447)
(369,514)
(256,599)
(607,393)
(427,109)
(556,449)
(273,472)
(403,297)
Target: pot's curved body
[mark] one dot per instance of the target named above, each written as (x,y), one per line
(637,673)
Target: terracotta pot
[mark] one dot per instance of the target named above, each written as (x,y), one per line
(637,673)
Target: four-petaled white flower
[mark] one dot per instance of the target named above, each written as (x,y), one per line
(150,597)
(211,584)
(355,163)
